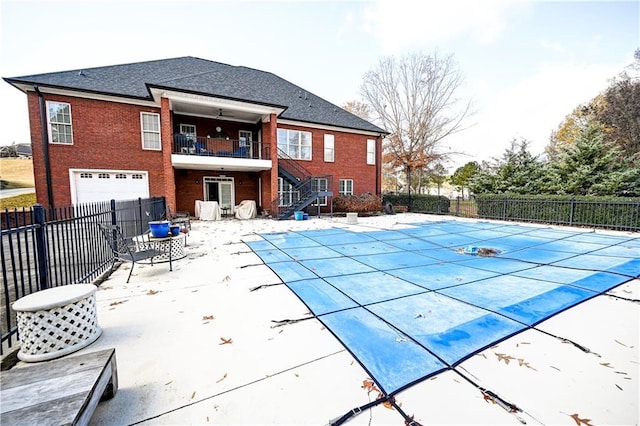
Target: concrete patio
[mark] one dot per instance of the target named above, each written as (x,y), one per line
(202,345)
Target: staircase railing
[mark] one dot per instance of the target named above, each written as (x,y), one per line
(303,191)
(292,166)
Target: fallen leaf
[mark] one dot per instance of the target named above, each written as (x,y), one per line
(504,357)
(207,317)
(226,341)
(556,368)
(152,292)
(193,394)
(522,362)
(119,302)
(606,364)
(580,421)
(222,378)
(368,385)
(168,383)
(226,278)
(389,403)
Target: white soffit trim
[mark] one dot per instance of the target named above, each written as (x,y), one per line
(86,95)
(329,128)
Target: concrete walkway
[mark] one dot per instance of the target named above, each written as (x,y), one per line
(198,346)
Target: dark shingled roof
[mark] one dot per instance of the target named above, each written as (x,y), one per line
(195,75)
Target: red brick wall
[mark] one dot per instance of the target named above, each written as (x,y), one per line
(190,187)
(106,135)
(350,159)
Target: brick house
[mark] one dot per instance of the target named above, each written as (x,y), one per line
(191,129)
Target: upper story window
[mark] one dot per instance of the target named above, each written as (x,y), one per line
(150,123)
(295,143)
(188,130)
(59,119)
(371,151)
(329,148)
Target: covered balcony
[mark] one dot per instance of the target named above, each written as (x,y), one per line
(212,153)
(215,133)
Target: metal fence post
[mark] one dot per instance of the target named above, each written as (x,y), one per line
(573,203)
(41,246)
(114,220)
(504,209)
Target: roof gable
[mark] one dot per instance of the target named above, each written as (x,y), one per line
(195,75)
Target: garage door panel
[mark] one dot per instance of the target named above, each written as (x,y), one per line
(92,186)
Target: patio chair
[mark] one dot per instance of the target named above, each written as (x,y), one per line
(179,218)
(128,250)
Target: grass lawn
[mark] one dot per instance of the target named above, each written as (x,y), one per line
(16,173)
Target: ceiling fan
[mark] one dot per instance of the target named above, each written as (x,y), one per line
(221,115)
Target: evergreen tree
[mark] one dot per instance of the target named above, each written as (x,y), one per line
(517,172)
(593,166)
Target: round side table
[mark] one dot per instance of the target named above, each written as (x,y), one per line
(57,321)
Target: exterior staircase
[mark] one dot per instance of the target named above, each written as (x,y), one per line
(302,183)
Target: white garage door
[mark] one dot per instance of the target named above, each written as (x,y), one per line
(102,185)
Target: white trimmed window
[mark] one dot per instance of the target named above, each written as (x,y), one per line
(295,143)
(329,148)
(320,185)
(286,194)
(371,151)
(59,123)
(189,130)
(150,123)
(346,187)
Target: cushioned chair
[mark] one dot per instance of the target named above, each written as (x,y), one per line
(241,152)
(182,143)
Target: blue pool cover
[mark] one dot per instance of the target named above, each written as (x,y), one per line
(411,303)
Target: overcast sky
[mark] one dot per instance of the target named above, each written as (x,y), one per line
(526,64)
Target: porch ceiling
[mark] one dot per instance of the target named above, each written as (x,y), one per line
(217,112)
(194,162)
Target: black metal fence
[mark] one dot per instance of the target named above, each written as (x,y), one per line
(616,214)
(43,248)
(622,214)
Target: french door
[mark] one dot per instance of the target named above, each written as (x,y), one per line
(220,189)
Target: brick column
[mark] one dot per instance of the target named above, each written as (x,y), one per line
(273,144)
(166,133)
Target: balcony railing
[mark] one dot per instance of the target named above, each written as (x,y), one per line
(217,147)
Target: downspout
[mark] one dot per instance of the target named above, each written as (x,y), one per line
(45,146)
(379,167)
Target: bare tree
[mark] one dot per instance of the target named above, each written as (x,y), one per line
(414,98)
(360,109)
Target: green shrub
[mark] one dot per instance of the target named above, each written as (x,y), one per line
(363,203)
(420,203)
